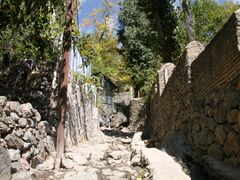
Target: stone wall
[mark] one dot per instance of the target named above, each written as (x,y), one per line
(82,118)
(82,122)
(28,139)
(116,114)
(198,113)
(137,114)
(15,86)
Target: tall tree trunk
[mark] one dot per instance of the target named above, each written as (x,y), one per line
(64,83)
(188,20)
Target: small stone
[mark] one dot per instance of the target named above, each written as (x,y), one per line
(113,162)
(119,154)
(82,173)
(22,122)
(47,165)
(8,120)
(201,138)
(1,111)
(25,109)
(28,136)
(3,143)
(220,115)
(37,117)
(232,144)
(36,161)
(3,101)
(14,116)
(14,154)
(239,122)
(5,164)
(215,150)
(24,165)
(120,147)
(233,116)
(31,123)
(14,142)
(235,127)
(77,158)
(26,155)
(18,132)
(67,163)
(44,125)
(16,167)
(13,106)
(220,133)
(126,141)
(7,110)
(4,129)
(209,111)
(125,130)
(26,145)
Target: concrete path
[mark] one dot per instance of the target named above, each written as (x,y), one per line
(161,165)
(115,155)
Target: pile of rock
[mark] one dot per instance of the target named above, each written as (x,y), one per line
(28,139)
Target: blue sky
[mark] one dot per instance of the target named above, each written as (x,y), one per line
(88,5)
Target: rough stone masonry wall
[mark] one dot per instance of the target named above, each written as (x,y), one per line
(14,85)
(82,118)
(198,111)
(27,138)
(82,121)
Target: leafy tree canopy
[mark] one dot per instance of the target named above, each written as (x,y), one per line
(29,29)
(100,47)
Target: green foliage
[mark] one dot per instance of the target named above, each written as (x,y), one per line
(164,20)
(209,17)
(139,44)
(100,48)
(104,56)
(29,28)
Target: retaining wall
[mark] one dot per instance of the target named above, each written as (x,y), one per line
(198,112)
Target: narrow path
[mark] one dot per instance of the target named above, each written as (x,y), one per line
(107,157)
(113,155)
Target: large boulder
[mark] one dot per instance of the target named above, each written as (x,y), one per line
(5,164)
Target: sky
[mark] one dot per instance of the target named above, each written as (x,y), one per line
(86,7)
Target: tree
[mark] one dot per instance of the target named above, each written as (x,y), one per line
(138,43)
(29,29)
(100,47)
(208,17)
(164,20)
(67,42)
(188,20)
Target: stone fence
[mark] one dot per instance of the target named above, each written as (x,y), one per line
(196,112)
(82,121)
(28,139)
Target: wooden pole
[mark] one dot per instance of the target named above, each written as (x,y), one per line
(64,83)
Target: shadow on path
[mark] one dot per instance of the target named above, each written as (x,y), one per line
(117,133)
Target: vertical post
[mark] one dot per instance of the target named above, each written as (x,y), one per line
(64,83)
